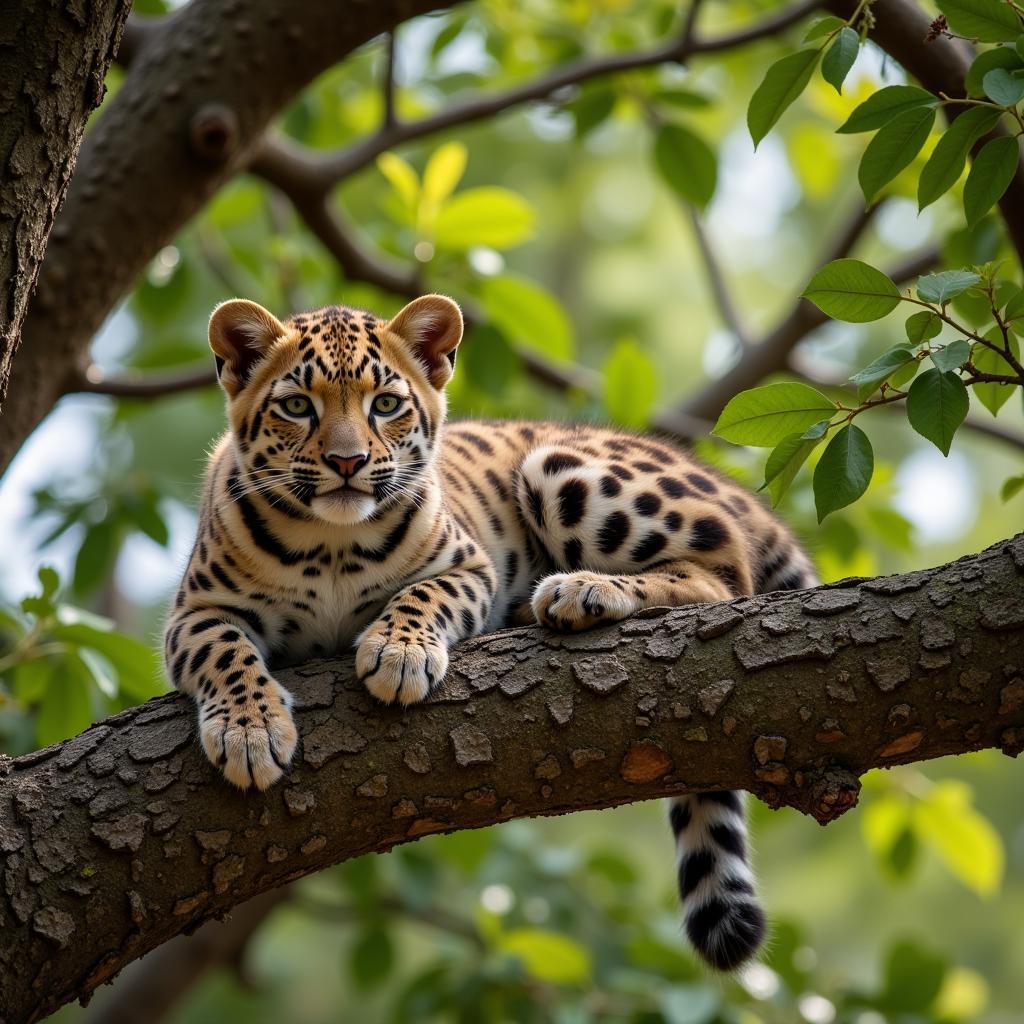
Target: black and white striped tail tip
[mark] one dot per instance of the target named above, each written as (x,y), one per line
(723,919)
(727,934)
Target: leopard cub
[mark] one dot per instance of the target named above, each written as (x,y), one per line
(339,509)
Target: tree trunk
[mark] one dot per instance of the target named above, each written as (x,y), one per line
(54,57)
(116,841)
(201,90)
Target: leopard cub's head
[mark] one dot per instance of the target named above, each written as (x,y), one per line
(335,414)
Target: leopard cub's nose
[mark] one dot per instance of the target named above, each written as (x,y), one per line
(347,465)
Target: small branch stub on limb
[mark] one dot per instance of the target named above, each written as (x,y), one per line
(213,132)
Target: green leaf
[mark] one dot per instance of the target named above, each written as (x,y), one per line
(528,315)
(547,956)
(372,957)
(923,326)
(823,27)
(1012,486)
(96,556)
(893,148)
(592,109)
(1000,57)
(991,173)
(136,664)
(853,291)
(936,406)
(871,377)
(787,457)
(836,63)
(994,396)
(945,285)
(403,179)
(952,356)
(881,107)
(686,99)
(764,416)
(1003,88)
(687,163)
(443,172)
(1013,312)
(946,163)
(630,384)
(66,708)
(913,978)
(964,839)
(488,215)
(31,678)
(782,84)
(988,21)
(843,471)
(905,375)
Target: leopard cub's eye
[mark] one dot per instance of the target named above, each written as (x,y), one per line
(386,404)
(297,405)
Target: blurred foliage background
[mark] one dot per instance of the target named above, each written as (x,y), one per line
(568,231)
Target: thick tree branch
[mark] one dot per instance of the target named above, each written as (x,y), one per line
(54,59)
(122,838)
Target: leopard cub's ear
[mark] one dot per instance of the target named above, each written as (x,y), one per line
(431,327)
(241,334)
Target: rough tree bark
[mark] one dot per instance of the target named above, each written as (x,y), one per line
(124,837)
(54,57)
(200,93)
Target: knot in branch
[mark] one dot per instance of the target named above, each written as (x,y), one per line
(213,132)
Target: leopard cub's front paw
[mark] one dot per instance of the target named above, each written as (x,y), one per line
(251,735)
(395,666)
(571,601)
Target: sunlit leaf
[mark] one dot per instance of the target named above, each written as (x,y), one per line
(1012,486)
(403,180)
(492,216)
(786,458)
(823,27)
(547,956)
(851,290)
(764,416)
(630,384)
(443,172)
(965,840)
(528,315)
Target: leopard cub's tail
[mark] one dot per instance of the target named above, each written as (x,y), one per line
(724,921)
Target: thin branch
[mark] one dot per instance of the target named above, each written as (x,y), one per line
(801,367)
(330,169)
(147,384)
(716,279)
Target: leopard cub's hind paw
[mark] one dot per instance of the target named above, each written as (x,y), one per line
(574,601)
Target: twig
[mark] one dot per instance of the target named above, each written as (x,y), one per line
(716,279)
(146,385)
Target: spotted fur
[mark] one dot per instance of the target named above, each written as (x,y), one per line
(340,511)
